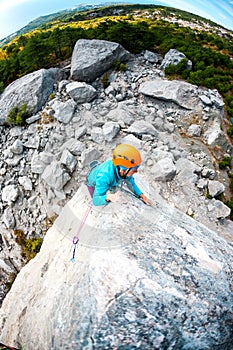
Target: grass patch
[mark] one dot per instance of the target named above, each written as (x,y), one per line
(30,247)
(225,162)
(18,115)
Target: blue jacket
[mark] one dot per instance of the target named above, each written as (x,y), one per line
(105,176)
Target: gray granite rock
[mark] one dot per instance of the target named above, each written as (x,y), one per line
(215,188)
(110,130)
(89,155)
(17,147)
(194,130)
(55,176)
(91,58)
(10,193)
(64,111)
(69,160)
(182,93)
(169,275)
(153,57)
(140,127)
(173,57)
(32,89)
(81,92)
(164,170)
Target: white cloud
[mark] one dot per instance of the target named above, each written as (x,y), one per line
(6,4)
(227,8)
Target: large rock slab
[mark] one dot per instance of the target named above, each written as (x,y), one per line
(91,58)
(179,92)
(137,271)
(32,89)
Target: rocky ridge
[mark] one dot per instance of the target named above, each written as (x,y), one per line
(176,126)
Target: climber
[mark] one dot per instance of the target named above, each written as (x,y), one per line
(105,177)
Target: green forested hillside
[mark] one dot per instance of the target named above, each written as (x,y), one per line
(136,27)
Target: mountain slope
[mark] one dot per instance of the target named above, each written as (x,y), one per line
(85,11)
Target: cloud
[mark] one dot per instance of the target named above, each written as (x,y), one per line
(6,4)
(226,7)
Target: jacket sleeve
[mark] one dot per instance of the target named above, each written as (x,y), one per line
(101,187)
(132,186)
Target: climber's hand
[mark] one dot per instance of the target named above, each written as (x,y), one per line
(147,200)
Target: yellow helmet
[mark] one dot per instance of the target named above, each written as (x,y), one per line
(126,155)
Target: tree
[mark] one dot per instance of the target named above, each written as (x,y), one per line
(35,54)
(55,42)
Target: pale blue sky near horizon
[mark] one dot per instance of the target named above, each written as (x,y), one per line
(15,14)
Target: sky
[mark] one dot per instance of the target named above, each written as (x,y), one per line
(15,14)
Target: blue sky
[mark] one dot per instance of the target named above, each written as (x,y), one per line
(15,14)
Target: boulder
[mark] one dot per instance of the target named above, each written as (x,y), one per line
(81,92)
(206,100)
(26,183)
(89,155)
(64,111)
(140,127)
(218,209)
(110,130)
(194,130)
(32,89)
(214,134)
(163,170)
(33,118)
(187,172)
(153,57)
(159,154)
(91,58)
(40,161)
(32,142)
(10,193)
(97,135)
(120,113)
(17,147)
(68,160)
(80,131)
(74,146)
(202,184)
(216,98)
(174,57)
(215,188)
(208,173)
(55,176)
(8,218)
(179,92)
